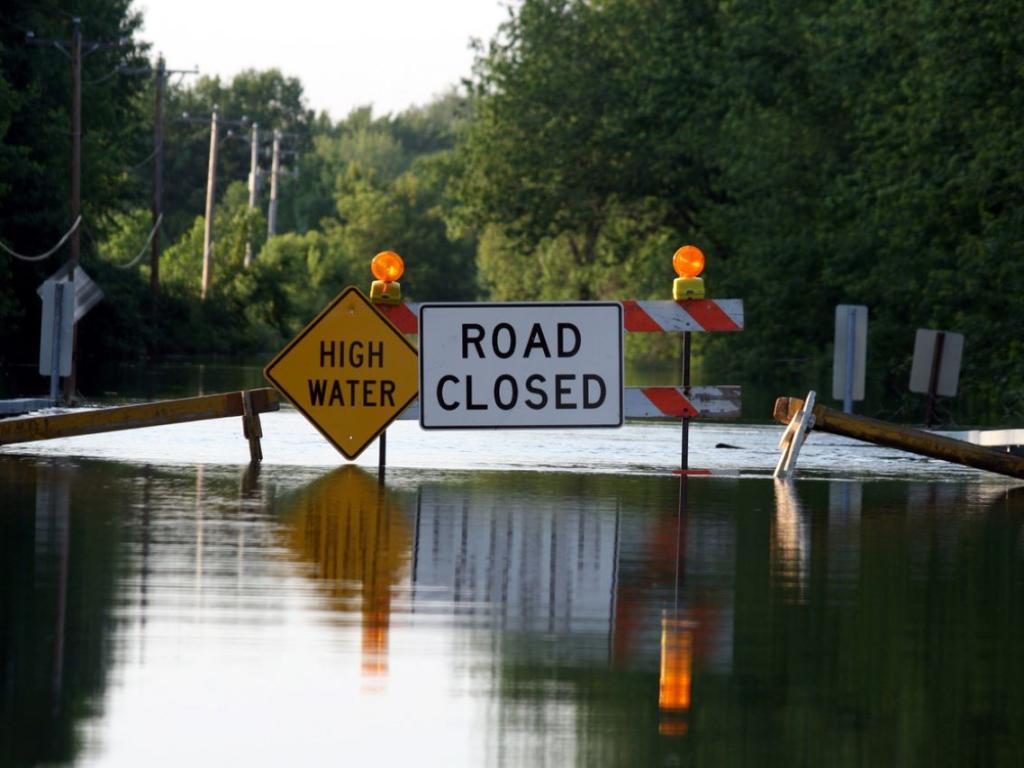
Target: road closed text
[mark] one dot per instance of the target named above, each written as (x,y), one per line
(520,365)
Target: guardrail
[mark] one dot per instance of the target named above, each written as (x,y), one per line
(248,404)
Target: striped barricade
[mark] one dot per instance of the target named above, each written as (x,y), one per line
(694,315)
(637,316)
(663,403)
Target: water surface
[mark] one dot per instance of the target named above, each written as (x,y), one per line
(504,599)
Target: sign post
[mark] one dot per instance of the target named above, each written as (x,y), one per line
(936,366)
(521,365)
(350,372)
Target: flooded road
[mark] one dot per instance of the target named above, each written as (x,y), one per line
(523,598)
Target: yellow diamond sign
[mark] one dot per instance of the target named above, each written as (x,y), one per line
(350,372)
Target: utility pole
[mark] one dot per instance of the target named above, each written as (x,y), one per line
(211,182)
(161,74)
(275,169)
(158,177)
(76,156)
(70,383)
(211,189)
(253,181)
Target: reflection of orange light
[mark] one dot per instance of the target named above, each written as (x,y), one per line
(688,261)
(387,266)
(673,726)
(676,674)
(375,646)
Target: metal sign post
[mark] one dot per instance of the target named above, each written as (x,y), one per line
(936,367)
(684,460)
(55,334)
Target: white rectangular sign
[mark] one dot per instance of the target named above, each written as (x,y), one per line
(57,327)
(850,352)
(529,365)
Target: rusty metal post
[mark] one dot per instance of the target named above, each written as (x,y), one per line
(684,461)
(933,379)
(251,427)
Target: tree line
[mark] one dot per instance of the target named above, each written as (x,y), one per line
(819,153)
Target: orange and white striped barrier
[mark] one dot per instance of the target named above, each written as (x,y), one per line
(681,316)
(663,403)
(691,315)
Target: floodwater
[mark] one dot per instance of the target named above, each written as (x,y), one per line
(511,599)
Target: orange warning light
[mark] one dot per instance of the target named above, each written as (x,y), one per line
(688,261)
(388,266)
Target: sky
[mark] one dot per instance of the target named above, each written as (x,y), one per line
(392,54)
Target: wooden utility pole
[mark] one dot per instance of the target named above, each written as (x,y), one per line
(275,169)
(76,145)
(253,182)
(70,383)
(211,183)
(158,175)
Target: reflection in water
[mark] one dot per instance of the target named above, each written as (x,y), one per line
(504,619)
(845,501)
(53,534)
(200,470)
(537,562)
(57,582)
(677,632)
(790,556)
(676,674)
(359,541)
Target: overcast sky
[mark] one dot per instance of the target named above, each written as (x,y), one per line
(390,53)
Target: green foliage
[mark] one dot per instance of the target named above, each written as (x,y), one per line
(35,143)
(820,153)
(268,98)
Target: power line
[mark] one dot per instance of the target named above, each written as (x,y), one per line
(145,247)
(50,252)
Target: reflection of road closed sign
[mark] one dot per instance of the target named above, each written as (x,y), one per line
(350,372)
(520,365)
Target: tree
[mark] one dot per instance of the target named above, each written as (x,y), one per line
(268,98)
(574,125)
(35,103)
